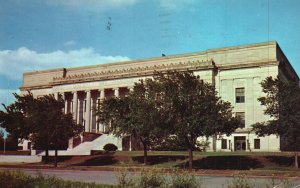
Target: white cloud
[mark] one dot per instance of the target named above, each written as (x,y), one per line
(92,4)
(14,63)
(70,43)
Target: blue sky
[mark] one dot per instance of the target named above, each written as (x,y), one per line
(43,34)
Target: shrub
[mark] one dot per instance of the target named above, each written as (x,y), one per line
(124,179)
(284,183)
(185,180)
(240,181)
(110,147)
(12,179)
(151,179)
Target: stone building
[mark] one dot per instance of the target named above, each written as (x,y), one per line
(236,73)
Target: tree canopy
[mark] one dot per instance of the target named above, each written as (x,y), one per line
(194,109)
(172,103)
(41,120)
(137,115)
(282,105)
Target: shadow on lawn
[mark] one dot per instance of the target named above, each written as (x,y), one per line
(157,159)
(281,160)
(224,163)
(99,161)
(51,159)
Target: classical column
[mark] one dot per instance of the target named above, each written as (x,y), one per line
(130,144)
(88,111)
(117,92)
(56,95)
(66,102)
(93,120)
(101,97)
(75,106)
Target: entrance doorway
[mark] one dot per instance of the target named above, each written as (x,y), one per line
(240,143)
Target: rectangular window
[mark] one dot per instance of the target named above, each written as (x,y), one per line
(240,95)
(224,144)
(84,105)
(257,143)
(241,116)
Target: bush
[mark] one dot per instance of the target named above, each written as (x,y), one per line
(124,179)
(185,180)
(12,179)
(110,147)
(151,179)
(240,181)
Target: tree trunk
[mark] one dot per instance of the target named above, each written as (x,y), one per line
(214,142)
(145,154)
(46,156)
(296,159)
(55,158)
(190,159)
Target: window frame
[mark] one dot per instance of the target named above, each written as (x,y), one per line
(239,96)
(256,141)
(224,143)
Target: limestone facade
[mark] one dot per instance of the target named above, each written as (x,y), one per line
(236,73)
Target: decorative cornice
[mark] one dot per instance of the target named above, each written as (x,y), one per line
(132,72)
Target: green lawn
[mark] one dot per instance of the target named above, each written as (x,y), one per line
(179,160)
(258,162)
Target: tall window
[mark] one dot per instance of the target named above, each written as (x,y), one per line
(224,144)
(257,143)
(240,95)
(241,116)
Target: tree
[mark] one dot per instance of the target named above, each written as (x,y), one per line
(174,103)
(193,109)
(2,135)
(282,105)
(42,121)
(52,128)
(13,117)
(137,115)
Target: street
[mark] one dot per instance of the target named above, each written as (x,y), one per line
(109,177)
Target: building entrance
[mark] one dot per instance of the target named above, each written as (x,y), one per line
(240,143)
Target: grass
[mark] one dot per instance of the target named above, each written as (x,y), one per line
(197,153)
(255,163)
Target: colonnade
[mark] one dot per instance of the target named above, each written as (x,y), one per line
(83,103)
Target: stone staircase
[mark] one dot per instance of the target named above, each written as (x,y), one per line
(86,147)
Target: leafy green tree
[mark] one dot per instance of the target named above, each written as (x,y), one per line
(175,103)
(42,121)
(13,117)
(137,115)
(193,109)
(282,105)
(53,128)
